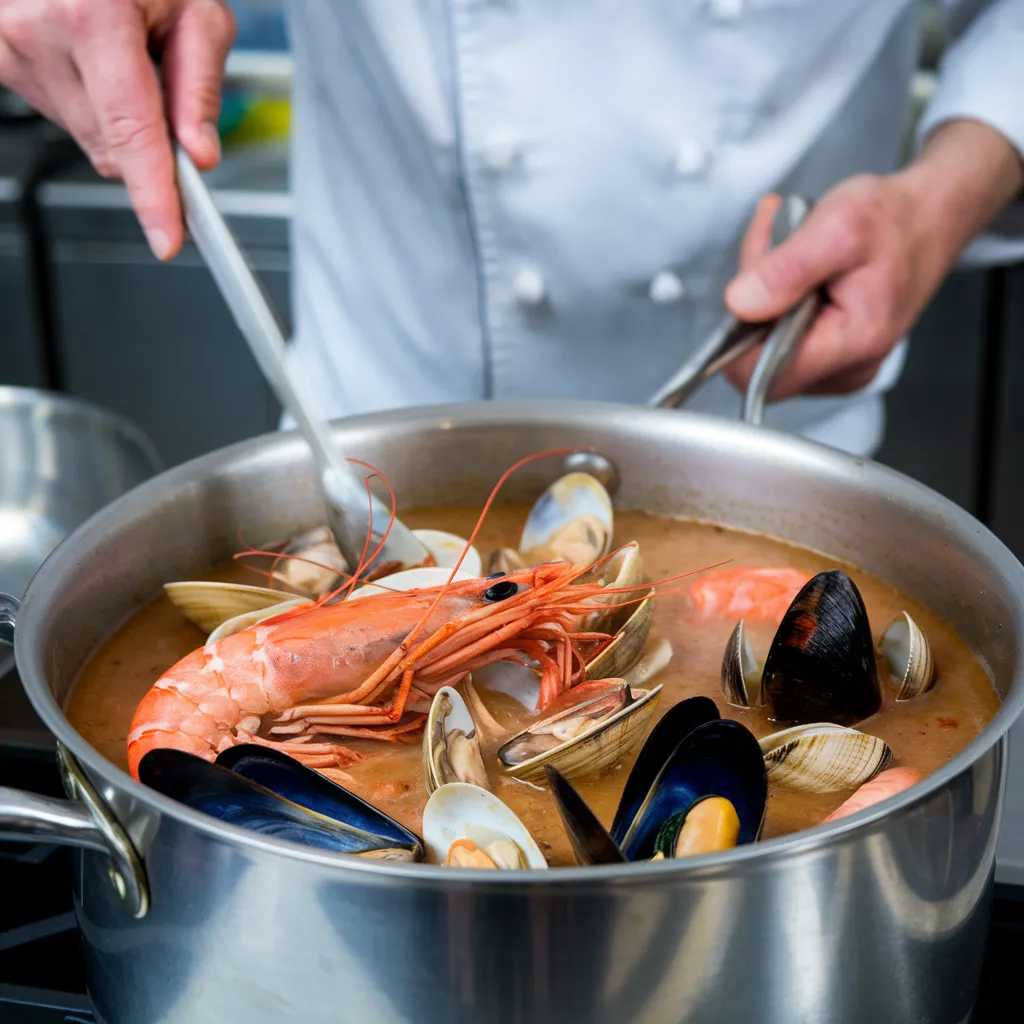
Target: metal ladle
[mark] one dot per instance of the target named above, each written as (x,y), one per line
(352,513)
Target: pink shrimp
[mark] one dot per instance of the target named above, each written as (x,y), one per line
(750,593)
(881,787)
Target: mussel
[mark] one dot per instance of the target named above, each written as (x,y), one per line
(571,521)
(821,665)
(592,727)
(461,821)
(909,656)
(451,747)
(823,757)
(264,791)
(699,784)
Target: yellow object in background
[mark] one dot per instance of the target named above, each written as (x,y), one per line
(259,119)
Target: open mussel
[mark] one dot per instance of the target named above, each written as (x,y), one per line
(466,826)
(591,843)
(821,665)
(590,728)
(571,521)
(451,747)
(264,791)
(909,656)
(823,757)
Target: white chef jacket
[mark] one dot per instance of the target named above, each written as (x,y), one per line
(545,198)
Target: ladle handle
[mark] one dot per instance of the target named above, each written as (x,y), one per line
(84,821)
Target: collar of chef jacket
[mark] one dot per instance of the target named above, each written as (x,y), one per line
(520,198)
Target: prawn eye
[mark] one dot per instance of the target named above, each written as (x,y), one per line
(501,590)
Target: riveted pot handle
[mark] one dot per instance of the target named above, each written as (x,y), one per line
(84,820)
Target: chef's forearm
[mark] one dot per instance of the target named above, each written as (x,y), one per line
(963,177)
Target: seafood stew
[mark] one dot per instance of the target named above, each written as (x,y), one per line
(839,688)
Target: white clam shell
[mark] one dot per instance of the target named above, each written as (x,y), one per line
(462,811)
(208,603)
(513,679)
(254,618)
(909,655)
(823,758)
(655,656)
(409,579)
(449,714)
(446,549)
(576,498)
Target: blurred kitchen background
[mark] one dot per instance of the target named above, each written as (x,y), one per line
(87,310)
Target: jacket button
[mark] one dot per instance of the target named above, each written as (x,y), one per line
(666,287)
(691,159)
(725,10)
(528,286)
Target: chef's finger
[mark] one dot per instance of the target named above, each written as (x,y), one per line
(759,232)
(830,241)
(853,379)
(193,71)
(121,82)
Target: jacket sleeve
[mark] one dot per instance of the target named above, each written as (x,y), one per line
(981,77)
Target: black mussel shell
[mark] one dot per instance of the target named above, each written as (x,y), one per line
(674,726)
(590,842)
(821,666)
(720,758)
(322,820)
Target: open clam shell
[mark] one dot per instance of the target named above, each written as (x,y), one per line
(909,655)
(721,759)
(505,560)
(313,565)
(266,792)
(615,660)
(451,747)
(624,570)
(447,548)
(571,521)
(821,665)
(459,811)
(823,758)
(208,603)
(741,675)
(592,728)
(655,656)
(247,619)
(590,841)
(409,579)
(512,678)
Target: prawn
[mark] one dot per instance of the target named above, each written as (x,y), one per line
(881,787)
(756,592)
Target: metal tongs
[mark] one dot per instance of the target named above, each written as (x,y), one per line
(735,338)
(351,512)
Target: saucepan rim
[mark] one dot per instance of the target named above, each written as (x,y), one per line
(31,659)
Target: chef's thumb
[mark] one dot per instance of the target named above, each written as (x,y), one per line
(193,69)
(777,280)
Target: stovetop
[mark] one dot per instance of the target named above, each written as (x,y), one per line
(42,974)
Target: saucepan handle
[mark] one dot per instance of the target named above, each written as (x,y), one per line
(84,820)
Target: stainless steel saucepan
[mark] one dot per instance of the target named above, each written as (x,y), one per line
(880,917)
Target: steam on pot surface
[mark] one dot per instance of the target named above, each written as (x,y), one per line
(619,686)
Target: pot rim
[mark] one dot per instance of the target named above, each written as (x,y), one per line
(568,413)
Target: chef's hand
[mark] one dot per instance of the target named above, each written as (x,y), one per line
(881,247)
(86,65)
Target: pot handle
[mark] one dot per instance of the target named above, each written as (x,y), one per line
(84,820)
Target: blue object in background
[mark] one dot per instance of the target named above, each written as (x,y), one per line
(261,24)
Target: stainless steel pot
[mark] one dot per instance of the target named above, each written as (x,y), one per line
(879,917)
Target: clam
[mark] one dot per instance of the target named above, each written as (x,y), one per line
(718,759)
(823,758)
(590,728)
(741,676)
(615,660)
(504,561)
(312,563)
(514,679)
(208,604)
(470,819)
(653,658)
(571,521)
(821,665)
(410,579)
(264,791)
(447,549)
(451,748)
(909,656)
(247,619)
